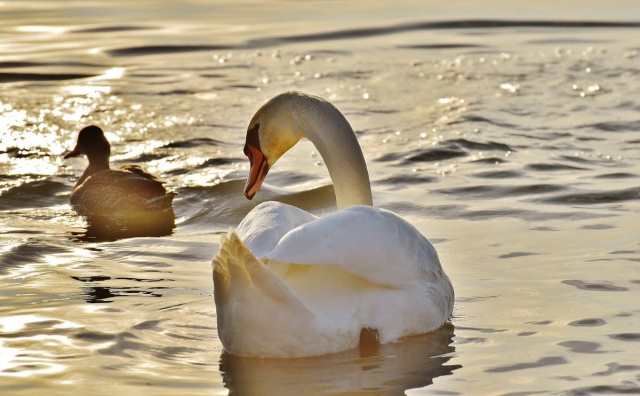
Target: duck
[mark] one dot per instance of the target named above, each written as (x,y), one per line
(127,199)
(290,284)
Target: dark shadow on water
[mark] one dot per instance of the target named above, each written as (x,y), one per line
(97,292)
(165,49)
(102,295)
(390,370)
(17,77)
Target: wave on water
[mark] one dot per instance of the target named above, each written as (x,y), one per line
(6,77)
(438,25)
(194,143)
(113,28)
(499,174)
(165,49)
(596,197)
(344,34)
(447,149)
(28,252)
(35,194)
(22,64)
(497,191)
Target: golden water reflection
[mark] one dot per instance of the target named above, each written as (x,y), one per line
(392,369)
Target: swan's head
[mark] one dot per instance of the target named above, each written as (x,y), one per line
(92,143)
(273,130)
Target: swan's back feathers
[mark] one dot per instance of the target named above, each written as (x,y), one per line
(374,244)
(267,223)
(301,285)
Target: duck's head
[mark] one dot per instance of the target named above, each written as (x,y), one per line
(92,143)
(273,130)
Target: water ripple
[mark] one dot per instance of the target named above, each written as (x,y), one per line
(164,49)
(6,77)
(33,194)
(595,286)
(595,198)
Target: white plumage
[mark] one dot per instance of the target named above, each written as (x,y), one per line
(290,284)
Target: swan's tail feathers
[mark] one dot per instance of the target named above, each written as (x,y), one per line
(236,271)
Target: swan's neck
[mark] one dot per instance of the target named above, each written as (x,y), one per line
(336,142)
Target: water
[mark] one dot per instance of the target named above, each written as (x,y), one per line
(512,144)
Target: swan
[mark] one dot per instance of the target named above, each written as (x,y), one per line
(128,198)
(290,284)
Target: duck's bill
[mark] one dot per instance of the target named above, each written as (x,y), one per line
(257,172)
(73,153)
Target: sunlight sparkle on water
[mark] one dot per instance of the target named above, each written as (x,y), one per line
(12,324)
(36,166)
(89,90)
(29,140)
(136,150)
(113,73)
(10,118)
(7,355)
(41,29)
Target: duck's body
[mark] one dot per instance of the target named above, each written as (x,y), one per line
(127,197)
(290,284)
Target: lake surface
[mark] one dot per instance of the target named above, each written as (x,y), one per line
(509,135)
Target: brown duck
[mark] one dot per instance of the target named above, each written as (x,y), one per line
(128,198)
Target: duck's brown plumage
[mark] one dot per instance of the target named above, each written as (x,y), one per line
(128,195)
(110,191)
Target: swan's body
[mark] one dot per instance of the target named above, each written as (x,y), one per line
(290,284)
(319,281)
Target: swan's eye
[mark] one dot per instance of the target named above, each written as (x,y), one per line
(253,139)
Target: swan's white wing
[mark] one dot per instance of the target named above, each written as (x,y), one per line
(373,244)
(267,223)
(364,267)
(309,285)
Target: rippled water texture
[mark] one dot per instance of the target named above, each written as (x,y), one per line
(509,136)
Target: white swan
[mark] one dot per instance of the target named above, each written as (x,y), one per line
(290,284)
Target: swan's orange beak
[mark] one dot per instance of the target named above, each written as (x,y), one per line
(258,170)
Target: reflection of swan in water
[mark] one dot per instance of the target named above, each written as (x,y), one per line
(411,363)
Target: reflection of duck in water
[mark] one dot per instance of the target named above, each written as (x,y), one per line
(123,202)
(411,363)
